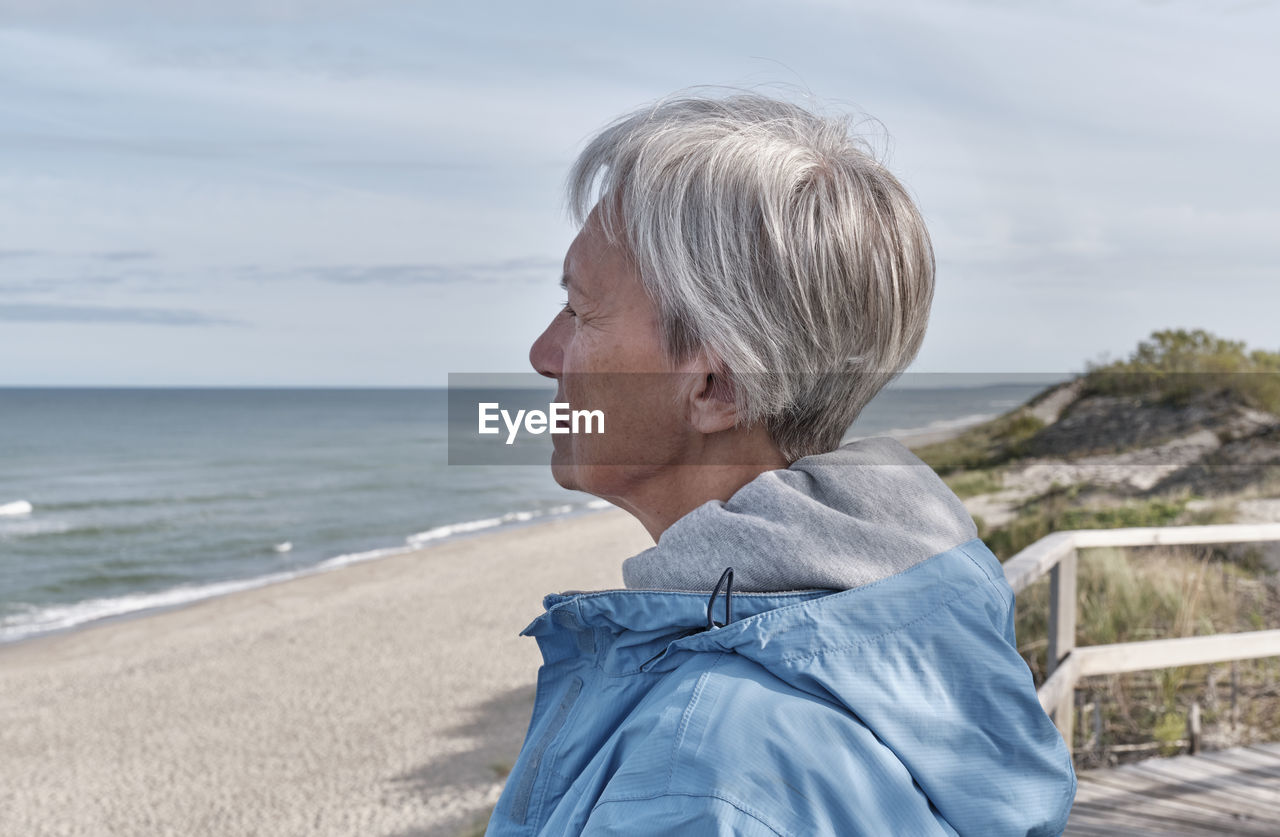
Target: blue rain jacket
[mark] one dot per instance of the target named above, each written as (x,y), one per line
(897,707)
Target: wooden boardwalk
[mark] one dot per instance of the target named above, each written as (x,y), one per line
(1234,791)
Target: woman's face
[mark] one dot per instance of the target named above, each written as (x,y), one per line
(604,349)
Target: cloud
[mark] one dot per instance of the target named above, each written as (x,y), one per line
(48,256)
(68,286)
(1073,165)
(36,312)
(125,255)
(179,10)
(536,268)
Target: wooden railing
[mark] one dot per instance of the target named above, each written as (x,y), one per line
(1056,554)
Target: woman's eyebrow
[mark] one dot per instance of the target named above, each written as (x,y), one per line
(567,283)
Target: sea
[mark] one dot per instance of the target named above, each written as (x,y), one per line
(120,501)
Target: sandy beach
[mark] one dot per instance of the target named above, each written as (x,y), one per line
(384,698)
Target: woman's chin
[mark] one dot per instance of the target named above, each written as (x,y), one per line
(563,470)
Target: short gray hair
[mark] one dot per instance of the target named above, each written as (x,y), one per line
(770,237)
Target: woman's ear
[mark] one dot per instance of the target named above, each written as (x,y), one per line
(708,394)
(712,404)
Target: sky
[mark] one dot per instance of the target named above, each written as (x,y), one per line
(368,193)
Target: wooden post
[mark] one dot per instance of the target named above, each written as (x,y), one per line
(1193,728)
(1062,611)
(1081,699)
(1062,631)
(1097,729)
(1235,691)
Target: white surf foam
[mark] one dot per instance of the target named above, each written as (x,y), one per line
(420,539)
(32,620)
(15,509)
(356,557)
(39,620)
(489,522)
(451,529)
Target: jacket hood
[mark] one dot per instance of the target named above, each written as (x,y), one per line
(916,643)
(832,521)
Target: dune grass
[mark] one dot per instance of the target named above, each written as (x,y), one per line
(985,446)
(1057,509)
(973,483)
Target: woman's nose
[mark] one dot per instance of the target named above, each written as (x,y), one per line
(546,355)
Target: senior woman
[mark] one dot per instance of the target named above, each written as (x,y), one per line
(818,643)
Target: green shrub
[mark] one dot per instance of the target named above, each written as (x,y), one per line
(1169,730)
(1177,366)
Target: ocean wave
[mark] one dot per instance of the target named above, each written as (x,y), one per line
(450,530)
(469,526)
(27,528)
(38,527)
(33,620)
(357,557)
(457,529)
(90,582)
(17,508)
(157,500)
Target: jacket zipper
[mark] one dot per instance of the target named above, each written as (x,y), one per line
(524,791)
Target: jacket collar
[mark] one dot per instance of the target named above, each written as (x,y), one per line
(626,631)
